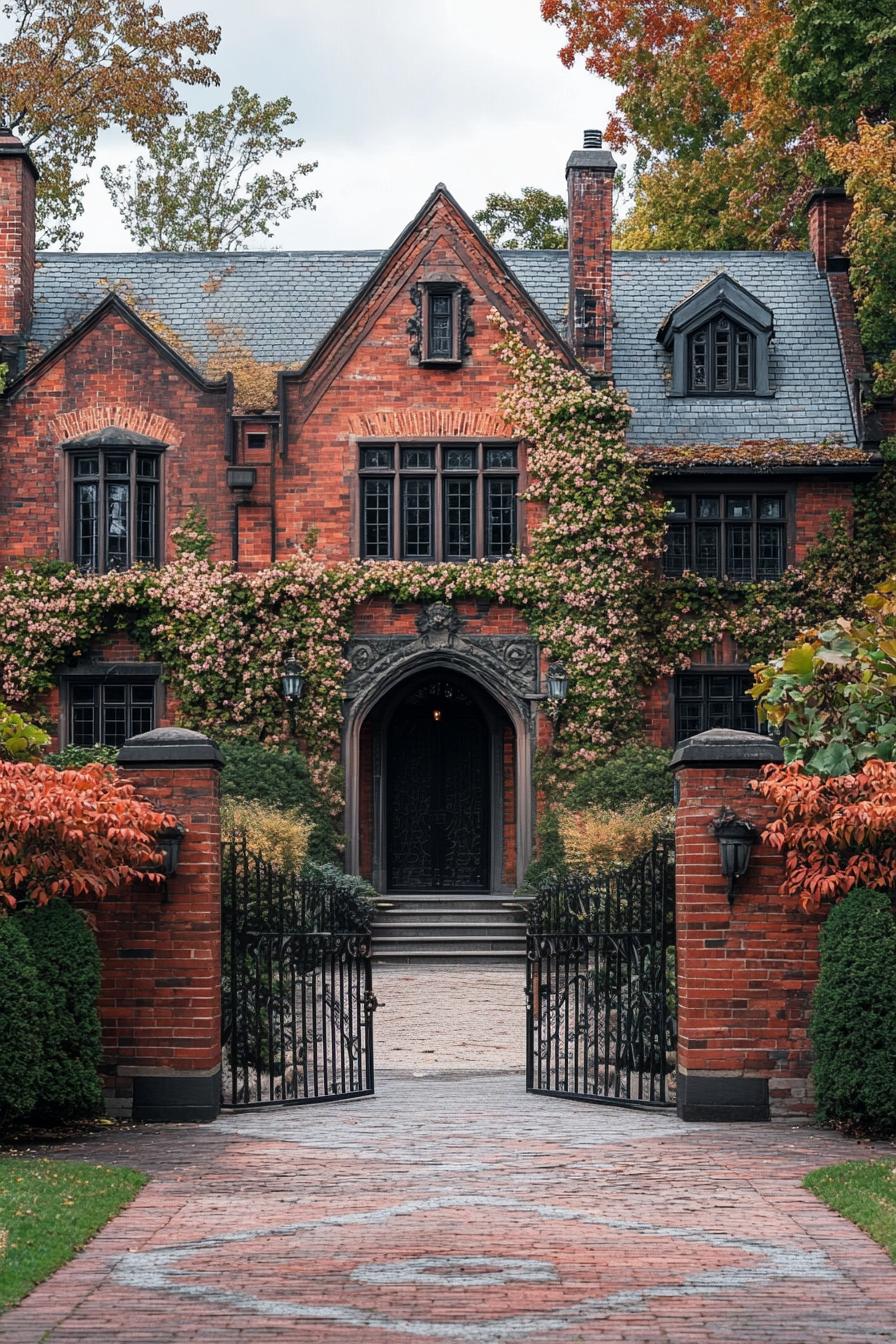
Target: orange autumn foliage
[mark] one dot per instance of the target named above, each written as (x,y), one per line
(836,832)
(72,832)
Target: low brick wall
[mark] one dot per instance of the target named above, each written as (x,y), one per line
(746,972)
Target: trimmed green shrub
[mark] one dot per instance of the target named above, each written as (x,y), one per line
(67,961)
(20,1038)
(72,758)
(634,774)
(356,891)
(853,1026)
(281,779)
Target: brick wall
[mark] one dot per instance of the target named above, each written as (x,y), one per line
(112,376)
(160,1004)
(746,972)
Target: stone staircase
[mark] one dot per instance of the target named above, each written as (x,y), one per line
(449,928)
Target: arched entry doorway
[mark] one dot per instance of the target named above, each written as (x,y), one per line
(438,789)
(437,771)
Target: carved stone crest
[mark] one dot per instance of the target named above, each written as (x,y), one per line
(438,624)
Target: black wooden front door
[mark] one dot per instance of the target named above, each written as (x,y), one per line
(437,774)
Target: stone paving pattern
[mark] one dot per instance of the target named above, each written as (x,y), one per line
(460,1209)
(450,1019)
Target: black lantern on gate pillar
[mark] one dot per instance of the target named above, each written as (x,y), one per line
(736,840)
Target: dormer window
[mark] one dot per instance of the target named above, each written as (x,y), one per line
(719,340)
(721,360)
(441,326)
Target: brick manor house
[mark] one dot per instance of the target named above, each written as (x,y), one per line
(387,443)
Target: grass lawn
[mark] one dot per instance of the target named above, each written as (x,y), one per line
(48,1210)
(865,1193)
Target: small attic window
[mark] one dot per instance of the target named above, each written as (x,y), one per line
(719,339)
(440,327)
(721,359)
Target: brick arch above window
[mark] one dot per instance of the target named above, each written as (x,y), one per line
(429,424)
(71,425)
(720,304)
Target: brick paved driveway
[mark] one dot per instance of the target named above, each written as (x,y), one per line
(459,1209)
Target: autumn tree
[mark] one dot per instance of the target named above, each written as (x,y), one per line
(841,60)
(74,68)
(724,154)
(201,187)
(535,218)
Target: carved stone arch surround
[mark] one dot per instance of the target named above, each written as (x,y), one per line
(505,667)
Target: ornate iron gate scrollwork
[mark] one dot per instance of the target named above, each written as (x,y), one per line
(297,989)
(600,984)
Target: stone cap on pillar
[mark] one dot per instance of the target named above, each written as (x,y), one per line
(170,747)
(726,746)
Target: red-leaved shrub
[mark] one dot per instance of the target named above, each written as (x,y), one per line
(72,832)
(837,832)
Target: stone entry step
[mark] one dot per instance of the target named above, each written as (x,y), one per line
(449,926)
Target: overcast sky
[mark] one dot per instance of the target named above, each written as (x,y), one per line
(394,96)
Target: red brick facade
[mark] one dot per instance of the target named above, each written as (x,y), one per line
(364,382)
(745,972)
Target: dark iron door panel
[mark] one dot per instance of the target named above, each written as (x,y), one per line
(437,773)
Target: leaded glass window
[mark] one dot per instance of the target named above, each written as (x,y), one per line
(741,536)
(713,699)
(438,501)
(721,359)
(115,513)
(441,326)
(107,713)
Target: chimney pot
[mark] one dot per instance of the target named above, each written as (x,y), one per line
(594,140)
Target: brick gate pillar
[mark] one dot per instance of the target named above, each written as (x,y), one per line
(746,972)
(160,1003)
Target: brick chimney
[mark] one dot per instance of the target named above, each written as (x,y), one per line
(589,181)
(829,210)
(18,178)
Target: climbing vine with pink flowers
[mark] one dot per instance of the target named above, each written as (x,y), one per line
(590,588)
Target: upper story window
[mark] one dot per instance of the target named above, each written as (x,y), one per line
(113,500)
(721,359)
(438,501)
(719,340)
(737,534)
(441,325)
(116,509)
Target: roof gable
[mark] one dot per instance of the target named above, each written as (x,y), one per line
(440,218)
(113,304)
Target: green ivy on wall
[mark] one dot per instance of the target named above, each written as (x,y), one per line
(590,589)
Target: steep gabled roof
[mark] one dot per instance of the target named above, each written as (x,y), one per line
(113,304)
(285,302)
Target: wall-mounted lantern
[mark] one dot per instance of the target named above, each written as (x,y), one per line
(558,685)
(736,840)
(241,479)
(168,841)
(292,682)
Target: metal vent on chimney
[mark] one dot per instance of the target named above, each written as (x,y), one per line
(594,139)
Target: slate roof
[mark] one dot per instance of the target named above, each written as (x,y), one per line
(283,304)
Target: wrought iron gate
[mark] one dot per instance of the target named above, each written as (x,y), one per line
(297,993)
(600,984)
